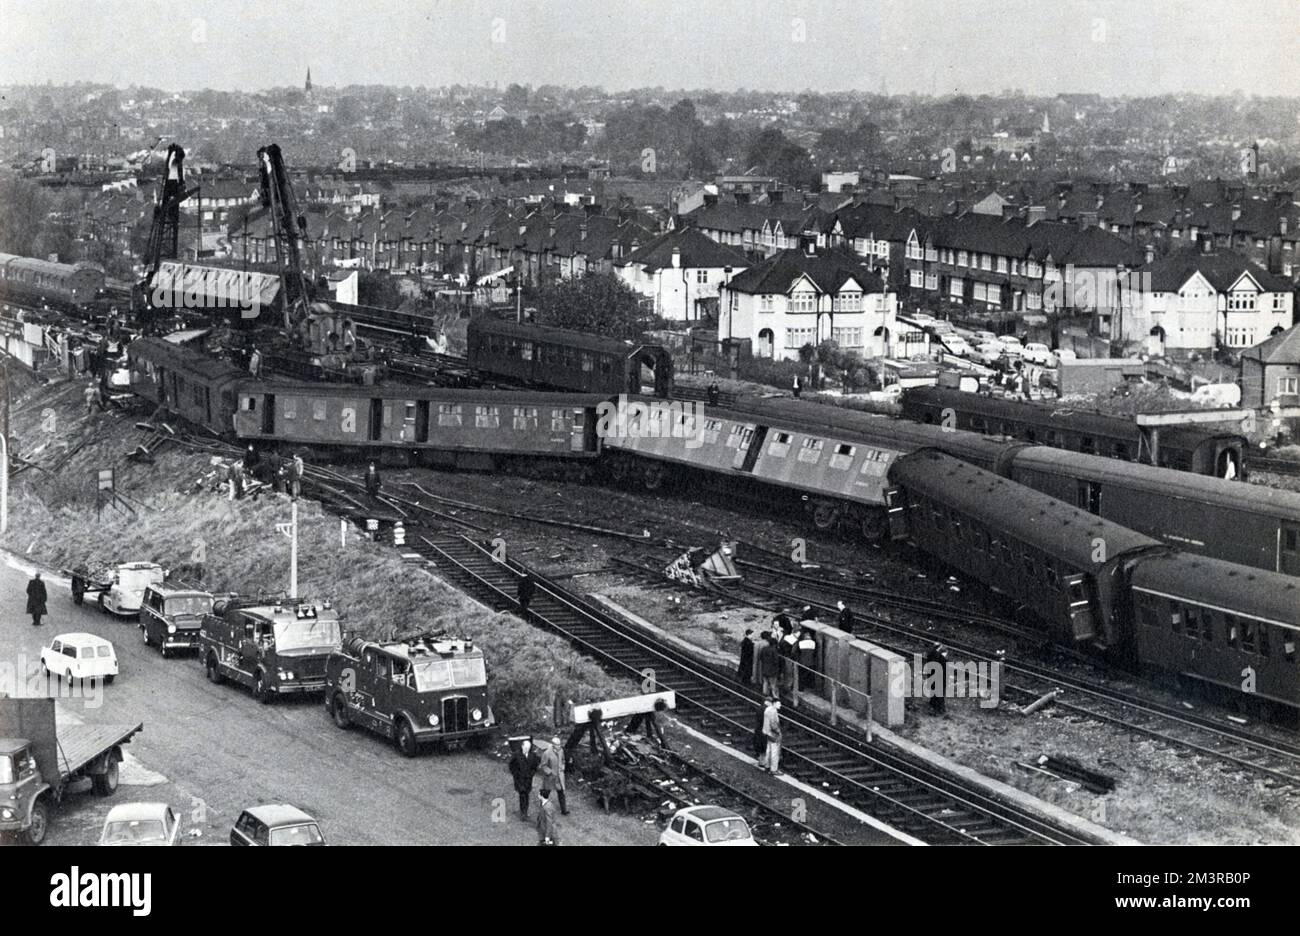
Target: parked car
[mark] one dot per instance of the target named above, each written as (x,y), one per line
(170,617)
(957,345)
(1037,353)
(80,656)
(983,336)
(989,352)
(706,825)
(276,825)
(120,588)
(141,824)
(1064,354)
(1011,345)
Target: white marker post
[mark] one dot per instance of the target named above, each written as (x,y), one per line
(293,552)
(4,484)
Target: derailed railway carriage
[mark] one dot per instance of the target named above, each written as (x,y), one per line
(1093,583)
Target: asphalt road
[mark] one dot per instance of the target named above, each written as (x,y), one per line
(211,751)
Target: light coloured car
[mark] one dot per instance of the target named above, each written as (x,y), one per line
(275,825)
(706,825)
(957,345)
(80,656)
(1011,345)
(141,824)
(1037,353)
(990,352)
(983,336)
(1064,354)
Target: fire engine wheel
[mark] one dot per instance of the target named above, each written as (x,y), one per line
(405,739)
(78,590)
(105,783)
(213,673)
(339,711)
(35,833)
(260,691)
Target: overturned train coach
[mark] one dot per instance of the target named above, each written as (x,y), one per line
(1092,582)
(427,425)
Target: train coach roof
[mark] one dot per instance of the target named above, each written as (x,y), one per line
(434,394)
(1232,588)
(1043,521)
(545,333)
(902,434)
(1194,488)
(42,266)
(169,354)
(1083,420)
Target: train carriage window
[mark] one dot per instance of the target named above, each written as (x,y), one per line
(1089,496)
(1049,437)
(1263,640)
(780,445)
(1192,629)
(1207,624)
(487,417)
(1248,636)
(1231,630)
(319,410)
(842,458)
(810,451)
(607,365)
(526,350)
(712,427)
(1291,540)
(525,418)
(1088,445)
(587,363)
(409,414)
(1175,617)
(449,415)
(290,408)
(1147,613)
(248,404)
(1121,451)
(1288,646)
(1077,594)
(874,462)
(559,420)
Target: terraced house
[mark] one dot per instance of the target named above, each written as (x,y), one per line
(806,296)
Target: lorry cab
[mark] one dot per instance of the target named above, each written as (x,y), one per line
(276,649)
(170,618)
(421,690)
(20,782)
(128,583)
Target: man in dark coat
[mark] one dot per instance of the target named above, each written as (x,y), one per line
(845,620)
(937,657)
(372,480)
(524,593)
(807,659)
(769,665)
(745,672)
(524,763)
(36,598)
(714,393)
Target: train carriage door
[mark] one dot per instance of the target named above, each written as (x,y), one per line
(747,455)
(422,421)
(896,504)
(582,435)
(1226,465)
(1089,496)
(1288,553)
(1081,613)
(268,414)
(376,419)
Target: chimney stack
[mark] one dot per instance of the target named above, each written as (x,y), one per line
(1035,214)
(1150,253)
(677,258)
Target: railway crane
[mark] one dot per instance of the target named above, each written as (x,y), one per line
(164,235)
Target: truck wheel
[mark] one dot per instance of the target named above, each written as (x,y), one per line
(213,673)
(108,680)
(339,710)
(406,739)
(35,833)
(68,677)
(104,784)
(260,692)
(145,632)
(78,589)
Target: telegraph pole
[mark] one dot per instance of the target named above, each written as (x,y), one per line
(293,551)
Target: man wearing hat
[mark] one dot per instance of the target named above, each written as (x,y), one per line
(553,773)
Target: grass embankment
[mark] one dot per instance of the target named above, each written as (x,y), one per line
(53,521)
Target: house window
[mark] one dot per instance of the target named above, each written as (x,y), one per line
(1002,264)
(961,258)
(848,337)
(932,281)
(916,279)
(914,250)
(1287,385)
(1241,302)
(803,301)
(796,338)
(847,302)
(986,261)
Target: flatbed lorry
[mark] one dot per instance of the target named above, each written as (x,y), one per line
(40,760)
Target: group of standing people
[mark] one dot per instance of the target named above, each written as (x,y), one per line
(525,764)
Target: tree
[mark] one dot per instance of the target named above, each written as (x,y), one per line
(24,212)
(599,303)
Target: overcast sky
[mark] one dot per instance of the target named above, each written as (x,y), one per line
(939,46)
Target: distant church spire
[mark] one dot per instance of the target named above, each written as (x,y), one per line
(307,87)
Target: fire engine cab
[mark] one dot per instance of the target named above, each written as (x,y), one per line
(421,690)
(273,649)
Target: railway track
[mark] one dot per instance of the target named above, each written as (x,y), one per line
(1282,466)
(904,792)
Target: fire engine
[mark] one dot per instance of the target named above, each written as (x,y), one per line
(420,690)
(273,649)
